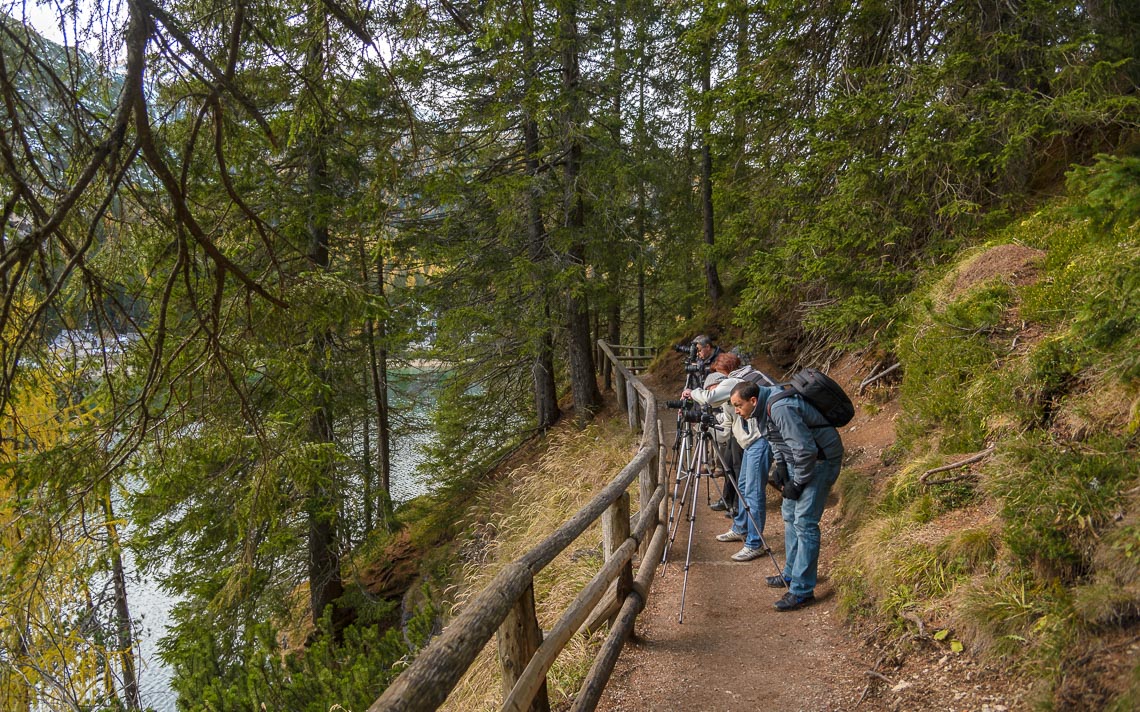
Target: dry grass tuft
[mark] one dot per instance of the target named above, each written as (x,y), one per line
(1105,405)
(515,513)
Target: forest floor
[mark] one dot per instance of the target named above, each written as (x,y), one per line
(734,651)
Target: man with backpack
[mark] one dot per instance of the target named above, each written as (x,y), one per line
(811,451)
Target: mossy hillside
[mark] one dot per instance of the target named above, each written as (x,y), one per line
(1031,555)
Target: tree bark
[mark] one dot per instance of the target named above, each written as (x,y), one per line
(542,367)
(369,471)
(124,638)
(712,277)
(325,583)
(378,363)
(583,383)
(642,69)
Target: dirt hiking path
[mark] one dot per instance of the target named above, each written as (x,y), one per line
(734,651)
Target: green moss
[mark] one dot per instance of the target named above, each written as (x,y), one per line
(953,495)
(940,362)
(979,309)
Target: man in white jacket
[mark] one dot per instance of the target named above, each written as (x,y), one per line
(748,524)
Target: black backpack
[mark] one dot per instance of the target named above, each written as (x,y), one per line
(822,392)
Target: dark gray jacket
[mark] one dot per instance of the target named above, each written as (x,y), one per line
(798,433)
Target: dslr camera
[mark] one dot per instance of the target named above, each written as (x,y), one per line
(689,349)
(693,363)
(690,412)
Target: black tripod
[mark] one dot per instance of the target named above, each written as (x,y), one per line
(691,456)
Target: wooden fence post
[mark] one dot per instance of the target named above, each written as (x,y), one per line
(620,389)
(647,484)
(633,401)
(615,531)
(519,637)
(662,475)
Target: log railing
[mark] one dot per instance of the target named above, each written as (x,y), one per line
(506,605)
(635,358)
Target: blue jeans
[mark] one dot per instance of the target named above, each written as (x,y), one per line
(801,528)
(752,479)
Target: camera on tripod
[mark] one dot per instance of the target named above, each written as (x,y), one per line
(694,365)
(691,412)
(690,350)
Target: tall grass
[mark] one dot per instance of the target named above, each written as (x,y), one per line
(506,518)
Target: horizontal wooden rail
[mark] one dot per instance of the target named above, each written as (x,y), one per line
(506,604)
(599,675)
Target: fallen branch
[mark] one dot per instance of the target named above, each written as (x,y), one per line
(873,673)
(968,461)
(881,676)
(874,377)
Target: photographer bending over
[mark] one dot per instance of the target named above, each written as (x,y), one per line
(756,457)
(717,388)
(812,451)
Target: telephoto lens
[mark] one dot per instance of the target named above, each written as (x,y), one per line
(693,415)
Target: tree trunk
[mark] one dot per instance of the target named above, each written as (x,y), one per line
(613,321)
(583,383)
(711,276)
(614,294)
(640,137)
(542,368)
(378,363)
(125,640)
(369,471)
(325,584)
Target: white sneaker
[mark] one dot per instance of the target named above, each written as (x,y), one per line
(730,535)
(747,554)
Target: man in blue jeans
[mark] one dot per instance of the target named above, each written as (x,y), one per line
(812,452)
(748,524)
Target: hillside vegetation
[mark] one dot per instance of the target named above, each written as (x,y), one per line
(1020,357)
(1025,350)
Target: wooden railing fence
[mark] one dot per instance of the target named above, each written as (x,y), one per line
(635,359)
(506,605)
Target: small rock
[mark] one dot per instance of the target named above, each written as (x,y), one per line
(902,685)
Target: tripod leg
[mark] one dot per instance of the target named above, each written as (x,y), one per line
(692,525)
(683,472)
(741,501)
(680,486)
